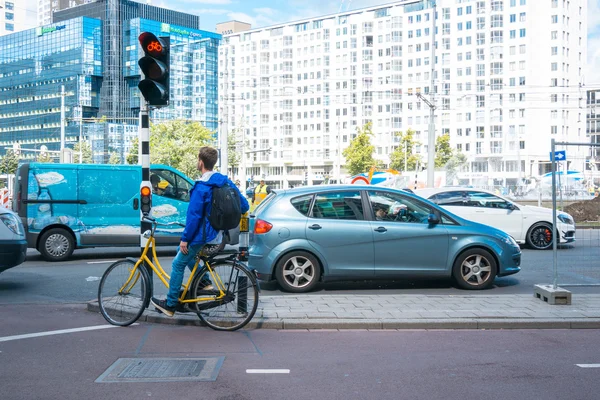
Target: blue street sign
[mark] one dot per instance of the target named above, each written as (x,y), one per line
(560,155)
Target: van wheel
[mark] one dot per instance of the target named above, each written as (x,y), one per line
(298,272)
(56,245)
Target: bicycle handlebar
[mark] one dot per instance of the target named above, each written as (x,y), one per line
(153,221)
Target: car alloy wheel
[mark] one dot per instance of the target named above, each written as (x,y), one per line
(298,271)
(475,269)
(540,236)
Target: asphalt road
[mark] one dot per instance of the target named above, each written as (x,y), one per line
(365,365)
(76,280)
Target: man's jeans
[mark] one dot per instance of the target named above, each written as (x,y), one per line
(179,263)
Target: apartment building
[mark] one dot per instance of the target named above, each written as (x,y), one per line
(505,76)
(15,16)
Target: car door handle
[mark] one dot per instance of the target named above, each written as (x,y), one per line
(480,211)
(381,229)
(315,227)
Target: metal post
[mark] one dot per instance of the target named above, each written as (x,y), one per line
(81,135)
(431,134)
(405,155)
(62,123)
(144,161)
(560,192)
(554,241)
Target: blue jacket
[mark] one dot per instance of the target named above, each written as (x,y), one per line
(200,202)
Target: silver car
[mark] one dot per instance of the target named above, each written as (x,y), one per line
(13,245)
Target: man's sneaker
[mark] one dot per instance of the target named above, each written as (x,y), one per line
(162,306)
(208,287)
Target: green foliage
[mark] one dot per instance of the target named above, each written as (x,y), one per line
(456,161)
(443,151)
(132,157)
(114,158)
(404,151)
(86,150)
(9,163)
(359,155)
(233,154)
(176,143)
(44,158)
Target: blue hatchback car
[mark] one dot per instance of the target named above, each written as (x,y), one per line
(301,236)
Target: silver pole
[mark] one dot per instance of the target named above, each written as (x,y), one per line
(431,134)
(81,135)
(560,192)
(62,123)
(554,241)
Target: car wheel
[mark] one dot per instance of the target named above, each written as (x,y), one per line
(475,269)
(298,272)
(56,245)
(540,236)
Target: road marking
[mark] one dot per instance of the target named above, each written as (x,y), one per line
(267,371)
(92,278)
(58,332)
(101,262)
(588,365)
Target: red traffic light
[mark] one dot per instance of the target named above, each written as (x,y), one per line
(152,45)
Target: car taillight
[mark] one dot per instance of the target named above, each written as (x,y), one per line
(261,226)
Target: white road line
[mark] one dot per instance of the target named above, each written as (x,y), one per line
(58,332)
(101,262)
(267,371)
(588,365)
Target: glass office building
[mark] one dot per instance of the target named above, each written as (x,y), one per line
(35,65)
(93,51)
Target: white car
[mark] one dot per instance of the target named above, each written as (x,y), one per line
(526,224)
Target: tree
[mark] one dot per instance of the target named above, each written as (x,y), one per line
(9,163)
(132,157)
(44,158)
(114,158)
(233,155)
(86,150)
(405,151)
(443,151)
(176,143)
(359,155)
(453,165)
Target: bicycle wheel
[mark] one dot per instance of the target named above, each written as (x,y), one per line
(237,308)
(122,296)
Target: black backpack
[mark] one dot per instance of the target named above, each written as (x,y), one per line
(226,208)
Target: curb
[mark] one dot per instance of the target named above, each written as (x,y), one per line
(381,324)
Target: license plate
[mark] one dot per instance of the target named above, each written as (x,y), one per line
(244,225)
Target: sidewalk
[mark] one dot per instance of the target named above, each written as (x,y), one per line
(409,312)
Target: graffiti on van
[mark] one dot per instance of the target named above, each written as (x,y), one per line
(102,205)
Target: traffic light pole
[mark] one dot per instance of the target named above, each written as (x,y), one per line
(144,161)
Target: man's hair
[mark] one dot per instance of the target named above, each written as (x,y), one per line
(208,155)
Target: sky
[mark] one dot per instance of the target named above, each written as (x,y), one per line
(260,13)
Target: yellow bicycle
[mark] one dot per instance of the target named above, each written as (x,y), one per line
(229,303)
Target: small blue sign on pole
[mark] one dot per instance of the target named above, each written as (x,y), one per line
(560,155)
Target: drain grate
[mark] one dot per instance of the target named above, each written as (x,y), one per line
(162,370)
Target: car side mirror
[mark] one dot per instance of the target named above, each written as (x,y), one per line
(433,219)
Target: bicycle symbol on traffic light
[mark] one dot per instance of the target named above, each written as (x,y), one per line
(154,47)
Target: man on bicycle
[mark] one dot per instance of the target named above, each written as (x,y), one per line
(198,231)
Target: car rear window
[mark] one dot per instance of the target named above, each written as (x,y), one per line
(302,204)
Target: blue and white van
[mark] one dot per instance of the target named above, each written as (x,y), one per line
(68,206)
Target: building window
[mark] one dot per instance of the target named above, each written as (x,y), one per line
(9,27)
(553,130)
(522,32)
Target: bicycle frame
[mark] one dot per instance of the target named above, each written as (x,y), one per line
(164,277)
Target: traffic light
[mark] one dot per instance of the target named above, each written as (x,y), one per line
(146,200)
(155,66)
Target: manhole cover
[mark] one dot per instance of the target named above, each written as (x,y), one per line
(162,370)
